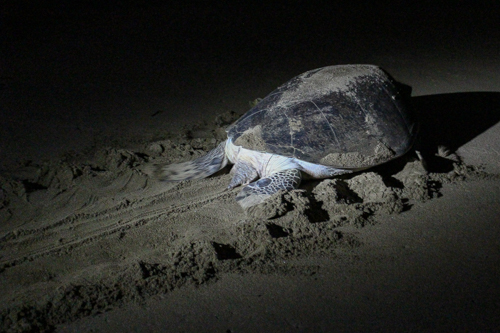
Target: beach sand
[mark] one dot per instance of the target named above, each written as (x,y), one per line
(90,243)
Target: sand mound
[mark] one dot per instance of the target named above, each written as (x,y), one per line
(79,236)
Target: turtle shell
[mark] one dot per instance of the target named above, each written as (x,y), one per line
(348,116)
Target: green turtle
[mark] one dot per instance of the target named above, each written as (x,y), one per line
(322,123)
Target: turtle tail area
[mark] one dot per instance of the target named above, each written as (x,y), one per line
(201,167)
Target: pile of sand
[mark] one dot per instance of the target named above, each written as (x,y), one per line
(83,234)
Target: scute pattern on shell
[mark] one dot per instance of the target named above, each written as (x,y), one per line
(335,110)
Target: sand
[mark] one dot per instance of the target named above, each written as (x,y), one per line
(89,242)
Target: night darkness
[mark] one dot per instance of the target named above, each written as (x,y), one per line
(88,66)
(79,78)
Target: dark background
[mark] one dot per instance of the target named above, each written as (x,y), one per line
(160,43)
(71,72)
(74,76)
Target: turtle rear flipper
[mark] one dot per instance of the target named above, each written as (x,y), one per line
(258,191)
(243,173)
(201,167)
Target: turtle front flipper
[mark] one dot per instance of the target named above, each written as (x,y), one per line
(258,191)
(196,169)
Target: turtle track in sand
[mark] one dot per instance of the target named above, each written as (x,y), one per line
(83,228)
(79,238)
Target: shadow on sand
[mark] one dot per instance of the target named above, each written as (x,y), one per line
(453,120)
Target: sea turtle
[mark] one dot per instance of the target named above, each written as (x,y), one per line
(322,123)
